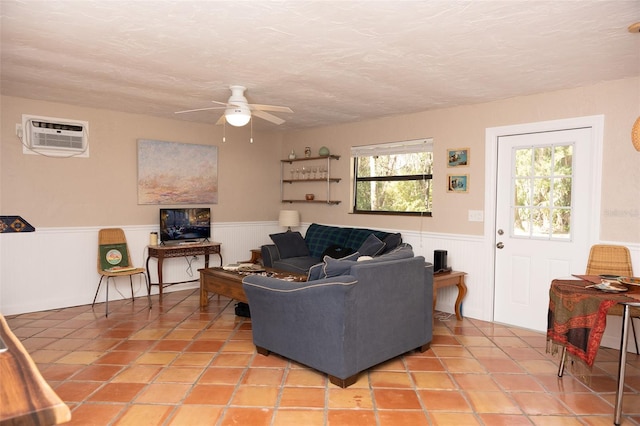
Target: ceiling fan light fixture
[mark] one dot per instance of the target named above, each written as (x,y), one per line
(237,116)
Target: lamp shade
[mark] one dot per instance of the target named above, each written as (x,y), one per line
(289,218)
(237,116)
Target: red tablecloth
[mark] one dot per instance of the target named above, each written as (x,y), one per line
(578,316)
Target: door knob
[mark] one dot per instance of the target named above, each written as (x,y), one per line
(500,232)
(500,245)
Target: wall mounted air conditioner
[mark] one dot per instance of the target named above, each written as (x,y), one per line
(59,137)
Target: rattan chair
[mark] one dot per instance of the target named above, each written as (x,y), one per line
(613,260)
(113,240)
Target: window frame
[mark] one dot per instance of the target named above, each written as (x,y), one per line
(392,148)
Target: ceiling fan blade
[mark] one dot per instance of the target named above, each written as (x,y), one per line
(266,116)
(198,109)
(275,108)
(220,103)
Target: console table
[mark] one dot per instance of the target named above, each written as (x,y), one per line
(161,252)
(448,279)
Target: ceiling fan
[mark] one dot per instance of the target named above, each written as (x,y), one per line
(238,110)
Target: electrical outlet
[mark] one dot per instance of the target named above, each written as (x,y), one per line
(476,216)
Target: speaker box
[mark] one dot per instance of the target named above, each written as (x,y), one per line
(439,260)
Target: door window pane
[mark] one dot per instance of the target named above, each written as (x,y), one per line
(523,162)
(522,192)
(540,223)
(521,222)
(562,192)
(542,164)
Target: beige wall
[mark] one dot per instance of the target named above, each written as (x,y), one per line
(101,190)
(464,126)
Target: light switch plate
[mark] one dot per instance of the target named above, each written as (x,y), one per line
(476,216)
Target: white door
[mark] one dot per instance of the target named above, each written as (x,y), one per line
(543,197)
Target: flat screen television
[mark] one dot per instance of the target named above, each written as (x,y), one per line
(187,224)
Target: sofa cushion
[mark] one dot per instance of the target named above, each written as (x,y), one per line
(290,244)
(336,267)
(337,252)
(299,265)
(372,246)
(319,237)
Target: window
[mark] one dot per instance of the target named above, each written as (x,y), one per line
(542,186)
(393,178)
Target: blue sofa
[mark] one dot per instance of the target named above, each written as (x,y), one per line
(291,252)
(360,314)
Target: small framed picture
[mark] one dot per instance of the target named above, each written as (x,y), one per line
(457,183)
(457,157)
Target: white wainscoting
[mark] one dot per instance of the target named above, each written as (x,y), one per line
(464,253)
(56,267)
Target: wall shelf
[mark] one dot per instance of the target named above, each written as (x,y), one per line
(330,157)
(310,180)
(332,202)
(325,162)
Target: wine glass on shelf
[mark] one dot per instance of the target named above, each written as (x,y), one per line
(297,172)
(304,172)
(292,172)
(314,169)
(323,171)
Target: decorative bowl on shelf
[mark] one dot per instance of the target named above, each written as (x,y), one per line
(309,197)
(324,152)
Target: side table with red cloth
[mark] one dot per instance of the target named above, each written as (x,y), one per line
(578,316)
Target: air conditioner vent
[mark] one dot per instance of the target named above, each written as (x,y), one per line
(55,136)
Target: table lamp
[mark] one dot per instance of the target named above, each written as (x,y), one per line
(289,218)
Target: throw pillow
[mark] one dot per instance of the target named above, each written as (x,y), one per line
(316,272)
(336,267)
(290,244)
(336,251)
(403,251)
(372,246)
(392,241)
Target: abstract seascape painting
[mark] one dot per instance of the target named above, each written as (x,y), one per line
(177,173)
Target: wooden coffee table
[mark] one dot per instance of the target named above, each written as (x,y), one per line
(229,283)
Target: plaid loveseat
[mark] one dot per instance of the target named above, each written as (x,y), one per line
(318,240)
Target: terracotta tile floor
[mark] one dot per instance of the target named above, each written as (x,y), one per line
(178,365)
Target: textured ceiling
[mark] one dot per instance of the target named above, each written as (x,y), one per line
(331,62)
